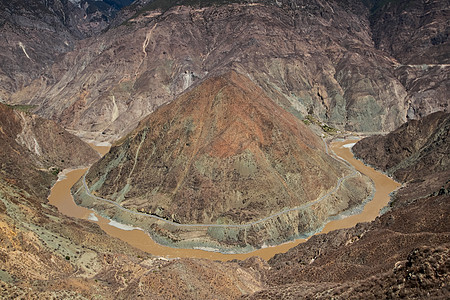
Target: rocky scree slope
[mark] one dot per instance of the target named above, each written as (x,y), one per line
(402,254)
(312,57)
(29,139)
(417,153)
(35,34)
(46,255)
(416,34)
(417,148)
(225,153)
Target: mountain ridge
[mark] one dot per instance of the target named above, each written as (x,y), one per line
(223,153)
(385,258)
(312,58)
(353,65)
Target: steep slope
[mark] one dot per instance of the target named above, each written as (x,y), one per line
(224,153)
(34,35)
(42,141)
(46,255)
(312,57)
(403,253)
(325,58)
(427,87)
(23,55)
(417,153)
(417,148)
(30,140)
(38,242)
(414,32)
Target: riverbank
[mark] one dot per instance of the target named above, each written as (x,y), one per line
(141,240)
(291,223)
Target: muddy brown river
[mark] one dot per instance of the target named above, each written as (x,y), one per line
(61,197)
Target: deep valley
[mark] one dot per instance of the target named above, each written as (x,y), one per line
(250,149)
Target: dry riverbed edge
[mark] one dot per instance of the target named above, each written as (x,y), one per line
(231,239)
(198,241)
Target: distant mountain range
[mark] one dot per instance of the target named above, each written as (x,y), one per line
(356,65)
(219,112)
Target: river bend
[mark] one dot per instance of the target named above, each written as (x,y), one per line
(61,197)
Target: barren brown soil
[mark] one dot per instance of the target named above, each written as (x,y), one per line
(351,66)
(403,253)
(224,153)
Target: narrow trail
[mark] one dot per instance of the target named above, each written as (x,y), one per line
(135,157)
(284,211)
(62,198)
(148,36)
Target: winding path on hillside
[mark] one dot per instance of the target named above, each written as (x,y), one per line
(61,197)
(354,172)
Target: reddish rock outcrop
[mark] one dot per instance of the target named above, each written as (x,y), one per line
(225,153)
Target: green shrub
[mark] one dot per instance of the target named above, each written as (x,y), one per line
(55,171)
(22,107)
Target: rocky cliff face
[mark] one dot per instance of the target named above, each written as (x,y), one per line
(403,253)
(224,153)
(30,140)
(312,57)
(427,85)
(417,154)
(414,32)
(45,255)
(43,141)
(35,34)
(416,149)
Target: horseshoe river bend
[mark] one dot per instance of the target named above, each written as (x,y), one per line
(61,197)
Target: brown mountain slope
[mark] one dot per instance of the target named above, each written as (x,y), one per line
(225,153)
(28,139)
(46,255)
(416,149)
(403,253)
(312,57)
(414,32)
(34,35)
(41,249)
(417,153)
